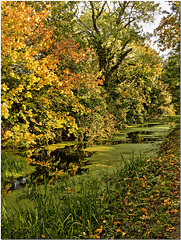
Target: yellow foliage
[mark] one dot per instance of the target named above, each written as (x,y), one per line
(4,110)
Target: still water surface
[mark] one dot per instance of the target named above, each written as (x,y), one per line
(77,158)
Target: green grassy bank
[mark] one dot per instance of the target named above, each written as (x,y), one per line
(139,200)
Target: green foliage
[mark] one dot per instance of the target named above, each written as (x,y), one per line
(11,165)
(62,17)
(111,29)
(169,38)
(97,122)
(136,91)
(53,84)
(171,76)
(169,29)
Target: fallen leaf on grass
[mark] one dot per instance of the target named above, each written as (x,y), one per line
(135,223)
(144,217)
(174,210)
(170,229)
(116,223)
(102,197)
(99,230)
(167,201)
(145,211)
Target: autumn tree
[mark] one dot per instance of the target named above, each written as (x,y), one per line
(97,121)
(140,94)
(171,77)
(168,33)
(110,28)
(40,77)
(55,61)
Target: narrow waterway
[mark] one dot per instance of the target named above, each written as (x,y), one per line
(76,158)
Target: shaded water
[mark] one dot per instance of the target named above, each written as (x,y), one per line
(73,158)
(133,137)
(47,163)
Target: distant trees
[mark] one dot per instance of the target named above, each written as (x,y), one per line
(171,76)
(168,33)
(140,94)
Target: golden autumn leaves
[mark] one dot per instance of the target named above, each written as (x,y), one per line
(37,80)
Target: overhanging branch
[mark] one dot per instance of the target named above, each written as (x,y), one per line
(122,57)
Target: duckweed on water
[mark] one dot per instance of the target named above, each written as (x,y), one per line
(138,200)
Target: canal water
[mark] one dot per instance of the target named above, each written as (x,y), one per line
(56,161)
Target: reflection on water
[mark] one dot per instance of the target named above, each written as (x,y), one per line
(133,137)
(69,158)
(16,183)
(54,164)
(143,137)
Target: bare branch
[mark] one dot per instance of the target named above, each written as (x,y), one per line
(125,44)
(122,6)
(94,18)
(99,13)
(128,23)
(81,23)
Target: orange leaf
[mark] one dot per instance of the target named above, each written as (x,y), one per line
(99,230)
(116,223)
(66,71)
(166,201)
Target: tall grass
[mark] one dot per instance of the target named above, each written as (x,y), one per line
(69,210)
(11,164)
